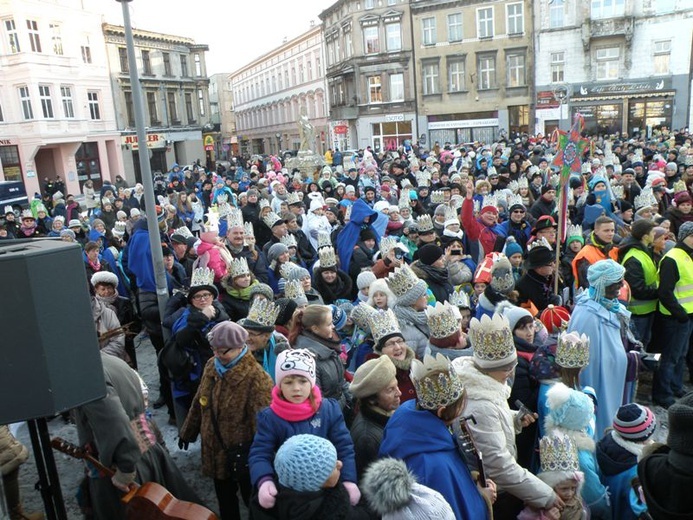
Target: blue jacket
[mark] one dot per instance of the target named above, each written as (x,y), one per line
(272,431)
(423,441)
(139,258)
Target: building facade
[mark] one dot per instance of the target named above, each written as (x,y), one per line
(271,92)
(56,108)
(175,88)
(474,61)
(223,119)
(624,64)
(370,73)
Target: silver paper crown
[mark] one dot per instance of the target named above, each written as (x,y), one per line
(436,382)
(533,169)
(514,200)
(422,178)
(492,338)
(383,323)
(183,231)
(490,201)
(27,214)
(238,267)
(572,350)
(477,206)
(222,198)
(424,223)
(502,279)
(288,240)
(437,197)
(293,198)
(347,213)
(387,244)
(574,231)
(404,199)
(248,229)
(235,218)
(514,186)
(293,289)
(451,214)
(324,240)
(327,257)
(286,269)
(402,280)
(271,219)
(202,276)
(558,453)
(539,242)
(361,314)
(459,298)
(263,312)
(522,183)
(586,168)
(618,192)
(223,209)
(118,228)
(443,320)
(8,209)
(263,203)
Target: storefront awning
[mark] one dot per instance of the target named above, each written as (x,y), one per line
(662,93)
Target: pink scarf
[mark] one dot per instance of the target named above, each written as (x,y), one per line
(96,266)
(294,412)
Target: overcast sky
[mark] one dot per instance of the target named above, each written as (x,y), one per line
(237,31)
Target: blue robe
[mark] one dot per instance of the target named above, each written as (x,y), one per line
(606,371)
(349,236)
(423,442)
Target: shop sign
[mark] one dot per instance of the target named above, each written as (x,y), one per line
(6,142)
(547,99)
(153,141)
(394,118)
(462,123)
(341,130)
(623,87)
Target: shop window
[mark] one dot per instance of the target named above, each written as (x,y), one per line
(375,93)
(515,18)
(608,63)
(428,31)
(389,136)
(601,119)
(484,22)
(607,8)
(556,12)
(557,67)
(455,27)
(662,54)
(649,114)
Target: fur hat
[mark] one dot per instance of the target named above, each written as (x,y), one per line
(105,277)
(568,408)
(380,285)
(372,377)
(304,462)
(296,362)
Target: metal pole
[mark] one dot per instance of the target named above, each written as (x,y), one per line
(145,168)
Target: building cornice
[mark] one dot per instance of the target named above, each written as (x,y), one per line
(110,30)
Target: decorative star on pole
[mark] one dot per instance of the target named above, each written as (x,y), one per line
(571,146)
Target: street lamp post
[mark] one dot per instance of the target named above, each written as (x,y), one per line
(562,94)
(279,142)
(145,168)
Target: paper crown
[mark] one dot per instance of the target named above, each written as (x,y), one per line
(118,229)
(202,276)
(515,200)
(324,240)
(558,453)
(573,350)
(27,214)
(490,201)
(522,183)
(539,242)
(361,315)
(555,318)
(293,198)
(451,214)
(618,192)
(492,340)
(271,219)
(646,199)
(238,267)
(443,320)
(679,186)
(8,209)
(477,206)
(235,218)
(263,312)
(382,324)
(574,231)
(424,223)
(437,197)
(422,178)
(223,209)
(459,298)
(288,240)
(286,269)
(388,243)
(293,289)
(436,382)
(402,280)
(502,279)
(263,203)
(248,229)
(327,257)
(404,199)
(183,231)
(514,186)
(222,198)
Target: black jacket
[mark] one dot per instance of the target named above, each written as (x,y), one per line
(539,289)
(667,480)
(367,434)
(635,274)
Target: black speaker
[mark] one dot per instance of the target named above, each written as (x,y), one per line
(49,352)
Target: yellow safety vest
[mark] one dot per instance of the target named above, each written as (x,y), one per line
(640,307)
(684,287)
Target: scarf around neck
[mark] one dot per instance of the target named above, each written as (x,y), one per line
(418,318)
(295,412)
(222,369)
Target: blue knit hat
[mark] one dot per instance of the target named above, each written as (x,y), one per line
(304,462)
(512,247)
(339,317)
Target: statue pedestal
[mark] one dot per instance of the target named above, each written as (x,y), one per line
(307,162)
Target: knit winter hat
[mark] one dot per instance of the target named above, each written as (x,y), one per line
(513,313)
(511,247)
(365,279)
(298,362)
(635,423)
(339,317)
(74,223)
(68,233)
(297,273)
(685,230)
(430,253)
(304,462)
(227,334)
(276,251)
(568,408)
(681,425)
(263,289)
(134,212)
(287,307)
(372,377)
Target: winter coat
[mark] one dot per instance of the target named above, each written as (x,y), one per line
(477,231)
(361,259)
(272,432)
(635,273)
(12,452)
(438,280)
(367,433)
(415,336)
(667,479)
(105,320)
(526,389)
(210,256)
(423,442)
(257,262)
(235,399)
(494,433)
(90,198)
(542,207)
(677,218)
(537,289)
(329,367)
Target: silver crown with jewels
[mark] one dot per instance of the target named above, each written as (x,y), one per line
(459,298)
(238,267)
(263,203)
(293,198)
(271,219)
(183,231)
(572,350)
(402,280)
(492,338)
(288,240)
(502,279)
(424,223)
(263,312)
(437,197)
(360,316)
(383,323)
(515,200)
(248,229)
(293,289)
(490,201)
(436,382)
(539,242)
(327,257)
(324,240)
(234,218)
(202,276)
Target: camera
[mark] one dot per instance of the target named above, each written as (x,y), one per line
(455,252)
(399,254)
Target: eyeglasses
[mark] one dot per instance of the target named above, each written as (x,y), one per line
(222,351)
(394,342)
(202,296)
(519,211)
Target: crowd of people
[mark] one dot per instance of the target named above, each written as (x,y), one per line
(403,334)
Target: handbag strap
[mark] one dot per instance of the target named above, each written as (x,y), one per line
(215,423)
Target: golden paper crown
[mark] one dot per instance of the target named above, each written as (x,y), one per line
(382,324)
(436,382)
(288,240)
(248,229)
(324,240)
(238,267)
(327,257)
(271,219)
(459,298)
(234,218)
(679,186)
(424,223)
(402,280)
(293,289)
(183,231)
(202,276)
(492,340)
(443,320)
(361,315)
(572,350)
(293,198)
(558,453)
(502,279)
(263,312)
(437,197)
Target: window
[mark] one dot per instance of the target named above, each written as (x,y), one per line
(557,67)
(396,87)
(430,78)
(348,45)
(189,112)
(12,167)
(455,27)
(94,110)
(12,36)
(66,97)
(487,72)
(172,110)
(86,52)
(318,68)
(198,66)
(608,8)
(2,116)
(309,66)
(184,65)
(608,63)
(393,36)
(662,52)
(301,73)
(456,75)
(391,2)
(556,11)
(330,53)
(46,101)
(25,98)
(337,50)
(516,70)
(665,6)
(428,31)
(146,63)
(123,56)
(56,39)
(34,38)
(151,107)
(375,94)
(167,63)
(201,102)
(370,40)
(484,22)
(129,108)
(369,4)
(516,19)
